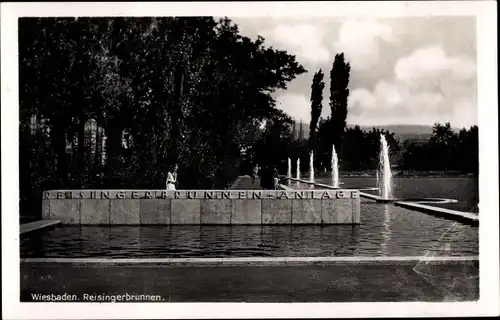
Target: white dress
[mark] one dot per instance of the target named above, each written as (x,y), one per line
(171,180)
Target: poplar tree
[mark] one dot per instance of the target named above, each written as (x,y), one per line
(316,105)
(339,92)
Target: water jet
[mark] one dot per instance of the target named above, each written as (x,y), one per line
(335,168)
(384,176)
(289,168)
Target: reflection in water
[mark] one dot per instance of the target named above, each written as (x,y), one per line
(386,231)
(412,233)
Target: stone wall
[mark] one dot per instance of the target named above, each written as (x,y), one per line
(226,207)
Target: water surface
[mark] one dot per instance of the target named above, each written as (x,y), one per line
(386,230)
(463,189)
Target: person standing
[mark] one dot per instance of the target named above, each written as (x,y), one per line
(255,172)
(172,178)
(275,178)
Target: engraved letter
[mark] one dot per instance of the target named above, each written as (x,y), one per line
(59,195)
(120,195)
(226,194)
(257,195)
(149,195)
(46,195)
(209,195)
(104,194)
(326,195)
(355,194)
(299,194)
(242,195)
(283,194)
(135,195)
(341,194)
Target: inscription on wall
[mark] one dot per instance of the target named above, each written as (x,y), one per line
(201,194)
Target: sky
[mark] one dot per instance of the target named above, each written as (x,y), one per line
(411,70)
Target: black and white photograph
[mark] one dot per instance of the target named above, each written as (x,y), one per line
(162,154)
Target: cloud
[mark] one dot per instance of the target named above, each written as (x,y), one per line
(297,105)
(359,40)
(428,86)
(305,40)
(431,63)
(409,70)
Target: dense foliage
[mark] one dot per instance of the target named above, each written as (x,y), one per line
(316,104)
(339,93)
(191,91)
(446,150)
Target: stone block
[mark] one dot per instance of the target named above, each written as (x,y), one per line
(94,211)
(216,211)
(46,209)
(246,211)
(185,211)
(276,211)
(67,211)
(155,211)
(125,211)
(356,210)
(336,211)
(306,211)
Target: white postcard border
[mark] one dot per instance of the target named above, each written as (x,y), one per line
(485,11)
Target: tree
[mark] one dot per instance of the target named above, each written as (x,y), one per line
(339,92)
(361,149)
(442,144)
(324,143)
(187,90)
(316,104)
(445,150)
(301,131)
(274,144)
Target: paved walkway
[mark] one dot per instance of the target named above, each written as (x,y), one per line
(460,216)
(309,283)
(245,183)
(31,226)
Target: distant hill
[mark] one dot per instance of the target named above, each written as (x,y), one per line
(417,133)
(402,132)
(401,129)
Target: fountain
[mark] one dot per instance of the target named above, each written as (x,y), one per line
(289,168)
(311,167)
(384,177)
(298,169)
(335,168)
